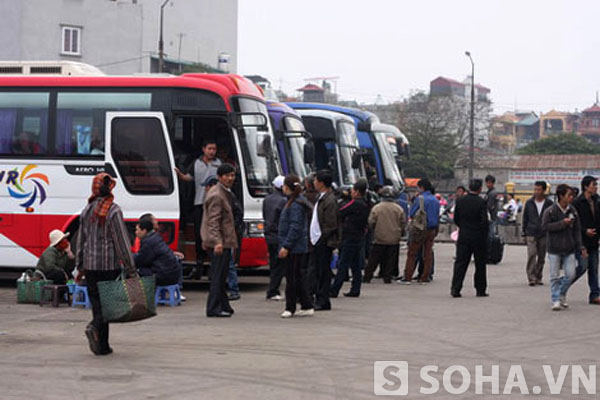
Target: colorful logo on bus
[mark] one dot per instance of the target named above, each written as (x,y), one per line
(27,186)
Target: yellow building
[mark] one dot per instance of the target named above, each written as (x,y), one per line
(554,122)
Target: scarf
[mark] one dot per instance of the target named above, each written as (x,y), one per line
(102,187)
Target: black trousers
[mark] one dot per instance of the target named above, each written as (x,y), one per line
(217,296)
(200,253)
(465,249)
(57,277)
(92,279)
(322,262)
(277,269)
(295,287)
(386,256)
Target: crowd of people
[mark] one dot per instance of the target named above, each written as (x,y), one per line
(312,229)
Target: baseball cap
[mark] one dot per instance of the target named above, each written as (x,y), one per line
(278,182)
(210,181)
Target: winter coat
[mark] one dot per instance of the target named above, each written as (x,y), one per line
(272,206)
(155,257)
(532,221)
(218,225)
(293,226)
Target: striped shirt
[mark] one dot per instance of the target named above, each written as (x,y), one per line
(103,247)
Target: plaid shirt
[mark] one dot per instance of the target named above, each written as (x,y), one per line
(103,247)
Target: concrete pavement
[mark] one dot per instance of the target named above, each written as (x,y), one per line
(181,354)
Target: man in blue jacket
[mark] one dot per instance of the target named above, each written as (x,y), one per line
(432,209)
(154,256)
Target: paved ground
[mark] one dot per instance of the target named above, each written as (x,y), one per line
(180,354)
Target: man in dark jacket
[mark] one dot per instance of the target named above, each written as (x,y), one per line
(271,209)
(589,214)
(563,232)
(324,236)
(534,234)
(154,256)
(471,218)
(354,216)
(491,198)
(219,237)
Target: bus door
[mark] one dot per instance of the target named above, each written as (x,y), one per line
(139,154)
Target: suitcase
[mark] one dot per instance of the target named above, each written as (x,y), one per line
(495,250)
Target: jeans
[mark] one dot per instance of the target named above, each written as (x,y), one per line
(276,271)
(559,285)
(591,266)
(232,279)
(351,257)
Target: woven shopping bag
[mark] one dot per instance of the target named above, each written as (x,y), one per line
(127,300)
(30,291)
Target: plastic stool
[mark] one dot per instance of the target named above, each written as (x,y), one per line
(56,291)
(174,295)
(81,292)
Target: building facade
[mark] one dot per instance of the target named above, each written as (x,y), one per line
(119,36)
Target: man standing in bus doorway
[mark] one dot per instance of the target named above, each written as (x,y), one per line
(324,236)
(220,239)
(205,166)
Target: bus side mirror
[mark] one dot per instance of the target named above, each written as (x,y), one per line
(356,159)
(263,145)
(309,153)
(400,148)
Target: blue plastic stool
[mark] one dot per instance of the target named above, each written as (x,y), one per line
(81,292)
(174,295)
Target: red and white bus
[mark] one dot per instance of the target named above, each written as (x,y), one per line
(56,133)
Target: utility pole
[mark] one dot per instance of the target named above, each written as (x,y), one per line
(161,44)
(181,35)
(472,119)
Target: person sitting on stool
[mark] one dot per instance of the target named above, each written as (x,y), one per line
(58,259)
(154,256)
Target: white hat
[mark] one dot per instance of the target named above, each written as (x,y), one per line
(278,182)
(56,236)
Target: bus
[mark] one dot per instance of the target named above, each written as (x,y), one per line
(56,133)
(396,140)
(335,144)
(380,163)
(294,143)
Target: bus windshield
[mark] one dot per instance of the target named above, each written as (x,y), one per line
(347,145)
(294,142)
(390,169)
(260,171)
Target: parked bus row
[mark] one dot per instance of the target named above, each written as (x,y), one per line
(57,132)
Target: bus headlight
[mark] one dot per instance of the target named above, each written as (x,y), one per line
(256,228)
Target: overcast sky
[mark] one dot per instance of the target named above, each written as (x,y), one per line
(537,54)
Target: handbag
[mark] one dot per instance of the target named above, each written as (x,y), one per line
(29,287)
(127,299)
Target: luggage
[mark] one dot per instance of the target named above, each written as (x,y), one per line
(495,250)
(29,287)
(127,300)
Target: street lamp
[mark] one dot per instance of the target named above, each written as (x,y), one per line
(472,119)
(161,44)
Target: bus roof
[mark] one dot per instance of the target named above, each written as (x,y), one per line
(364,116)
(225,85)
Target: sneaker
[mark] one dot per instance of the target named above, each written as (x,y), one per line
(563,301)
(424,282)
(306,313)
(182,298)
(404,282)
(287,314)
(234,297)
(275,298)
(556,306)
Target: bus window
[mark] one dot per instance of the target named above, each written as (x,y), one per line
(23,123)
(139,150)
(80,119)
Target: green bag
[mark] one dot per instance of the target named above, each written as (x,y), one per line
(30,292)
(127,300)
